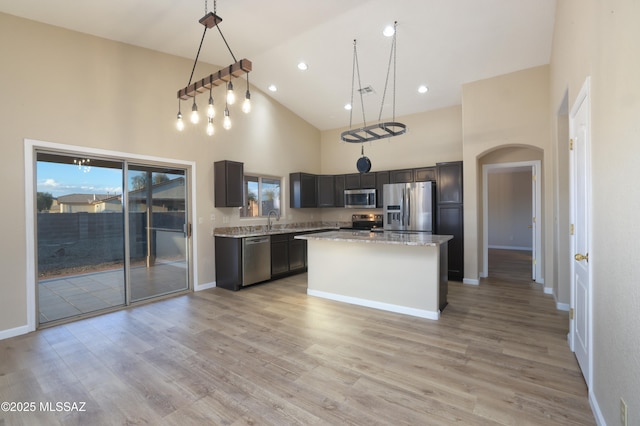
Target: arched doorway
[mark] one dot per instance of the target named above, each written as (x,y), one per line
(511,209)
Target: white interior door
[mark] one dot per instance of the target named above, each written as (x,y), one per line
(580,211)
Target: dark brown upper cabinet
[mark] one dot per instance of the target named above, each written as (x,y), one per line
(326,191)
(368,181)
(352,181)
(339,186)
(449,182)
(228,183)
(424,174)
(302,190)
(401,176)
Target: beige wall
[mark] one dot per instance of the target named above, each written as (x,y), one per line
(69,88)
(510,204)
(506,111)
(599,39)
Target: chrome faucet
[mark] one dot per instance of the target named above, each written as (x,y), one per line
(277,213)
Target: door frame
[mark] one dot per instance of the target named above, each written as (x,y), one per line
(536,167)
(584,96)
(30,148)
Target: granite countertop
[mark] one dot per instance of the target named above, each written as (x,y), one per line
(386,237)
(260,230)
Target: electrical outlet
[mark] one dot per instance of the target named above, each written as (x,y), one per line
(623,412)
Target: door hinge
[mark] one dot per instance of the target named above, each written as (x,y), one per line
(188,229)
(571,313)
(571,229)
(533,178)
(534,219)
(570,144)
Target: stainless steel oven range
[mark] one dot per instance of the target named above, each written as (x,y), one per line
(366,222)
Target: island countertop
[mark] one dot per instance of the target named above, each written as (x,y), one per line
(386,237)
(258,231)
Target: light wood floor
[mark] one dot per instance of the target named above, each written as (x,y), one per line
(270,354)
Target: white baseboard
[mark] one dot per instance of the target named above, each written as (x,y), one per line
(595,409)
(470,281)
(510,247)
(563,306)
(204,286)
(483,275)
(422,313)
(548,290)
(12,332)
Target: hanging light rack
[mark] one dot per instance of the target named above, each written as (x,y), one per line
(381,130)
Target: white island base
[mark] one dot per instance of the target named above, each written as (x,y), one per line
(399,273)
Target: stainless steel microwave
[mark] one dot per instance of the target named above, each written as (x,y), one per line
(360,198)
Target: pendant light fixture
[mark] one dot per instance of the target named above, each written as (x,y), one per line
(179,123)
(211,112)
(223,76)
(380,130)
(246,104)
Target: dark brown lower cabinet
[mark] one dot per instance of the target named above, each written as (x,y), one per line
(450,222)
(297,254)
(228,262)
(279,254)
(288,255)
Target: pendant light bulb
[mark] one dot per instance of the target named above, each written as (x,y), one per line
(231,97)
(210,129)
(246,105)
(195,118)
(180,123)
(211,112)
(226,123)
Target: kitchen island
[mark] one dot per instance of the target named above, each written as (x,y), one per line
(404,272)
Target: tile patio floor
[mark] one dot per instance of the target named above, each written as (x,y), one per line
(79,294)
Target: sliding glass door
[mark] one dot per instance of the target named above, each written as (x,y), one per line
(80,235)
(158,231)
(99,247)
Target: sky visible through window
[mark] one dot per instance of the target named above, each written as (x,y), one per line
(64,179)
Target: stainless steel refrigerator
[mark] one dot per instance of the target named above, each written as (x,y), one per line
(409,206)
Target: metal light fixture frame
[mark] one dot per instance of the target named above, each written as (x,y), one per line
(224,75)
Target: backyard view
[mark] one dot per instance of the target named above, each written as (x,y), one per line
(86,261)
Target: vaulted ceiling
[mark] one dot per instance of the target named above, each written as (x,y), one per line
(440,43)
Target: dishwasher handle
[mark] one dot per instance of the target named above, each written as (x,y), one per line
(257,240)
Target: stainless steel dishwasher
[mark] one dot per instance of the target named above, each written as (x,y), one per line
(256,260)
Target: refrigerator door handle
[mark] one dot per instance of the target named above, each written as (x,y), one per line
(408,208)
(404,207)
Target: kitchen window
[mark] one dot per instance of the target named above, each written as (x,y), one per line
(261,195)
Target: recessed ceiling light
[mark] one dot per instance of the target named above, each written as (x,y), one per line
(423,89)
(388,31)
(347,107)
(302,66)
(273,88)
